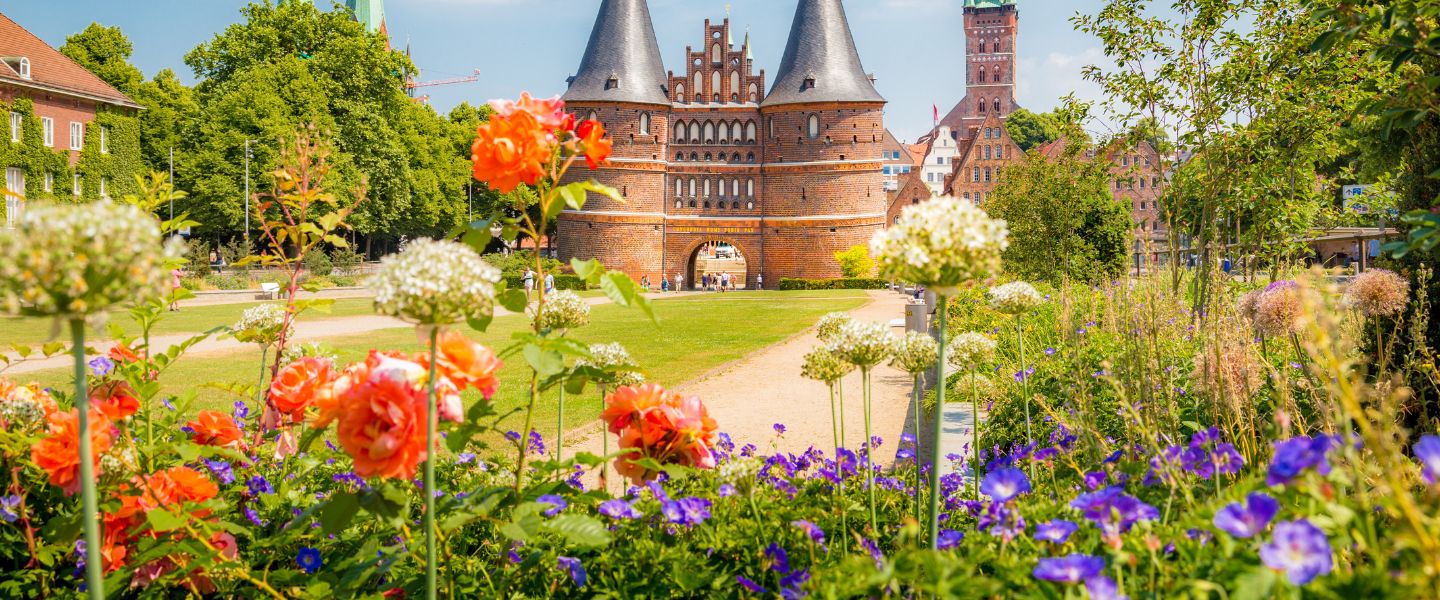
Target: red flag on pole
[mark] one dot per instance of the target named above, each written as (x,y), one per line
(936,108)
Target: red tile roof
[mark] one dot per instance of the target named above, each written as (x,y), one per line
(49,69)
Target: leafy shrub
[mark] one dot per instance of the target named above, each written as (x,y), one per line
(346,260)
(516,262)
(856,261)
(233,252)
(197,253)
(563,281)
(853,283)
(317,262)
(345,280)
(229,281)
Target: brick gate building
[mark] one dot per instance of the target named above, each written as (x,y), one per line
(705,156)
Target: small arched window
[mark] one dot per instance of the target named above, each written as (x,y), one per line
(24,68)
(987,152)
(997,76)
(750,131)
(997,105)
(982,74)
(709,133)
(694,134)
(707,188)
(754,92)
(699,85)
(722,187)
(679,156)
(771,127)
(996,46)
(715,54)
(680,132)
(982,105)
(680,93)
(814,129)
(644,123)
(735,187)
(749,157)
(591,116)
(724,133)
(715,82)
(679,188)
(734,82)
(750,188)
(692,186)
(736,134)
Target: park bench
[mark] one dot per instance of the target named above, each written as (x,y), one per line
(269,291)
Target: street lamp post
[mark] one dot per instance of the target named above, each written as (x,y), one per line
(172,183)
(247,195)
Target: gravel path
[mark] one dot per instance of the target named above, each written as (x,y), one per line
(748,397)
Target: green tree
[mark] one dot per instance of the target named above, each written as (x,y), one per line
(104,51)
(170,112)
(1064,222)
(1030,129)
(855,261)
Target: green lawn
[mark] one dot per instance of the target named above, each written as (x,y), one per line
(34,331)
(696,334)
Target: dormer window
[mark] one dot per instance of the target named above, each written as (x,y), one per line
(809,82)
(613,82)
(24,68)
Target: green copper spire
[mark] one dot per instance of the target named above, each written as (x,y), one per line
(748,54)
(370,13)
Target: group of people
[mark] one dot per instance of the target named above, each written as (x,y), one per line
(529,280)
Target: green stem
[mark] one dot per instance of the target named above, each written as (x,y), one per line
(1025,388)
(94,573)
(869,447)
(934,528)
(604,446)
(834,422)
(525,432)
(260,400)
(975,435)
(840,390)
(430,455)
(915,407)
(560,428)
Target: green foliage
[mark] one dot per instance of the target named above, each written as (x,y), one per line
(563,281)
(1030,129)
(317,262)
(513,264)
(32,156)
(855,261)
(849,283)
(104,51)
(1064,222)
(170,112)
(345,260)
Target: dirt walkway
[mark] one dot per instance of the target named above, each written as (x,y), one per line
(305,331)
(747,398)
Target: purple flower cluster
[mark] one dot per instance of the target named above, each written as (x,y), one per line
(1056,532)
(556,503)
(1113,511)
(1077,568)
(573,568)
(1298,454)
(1427,451)
(1001,519)
(1300,549)
(1249,519)
(791,582)
(1207,454)
(686,511)
(813,531)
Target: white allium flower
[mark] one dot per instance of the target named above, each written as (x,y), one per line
(295,352)
(435,283)
(22,408)
(941,244)
(610,356)
(73,260)
(863,344)
(1015,298)
(823,365)
(740,469)
(830,324)
(260,324)
(915,353)
(970,351)
(1378,293)
(563,310)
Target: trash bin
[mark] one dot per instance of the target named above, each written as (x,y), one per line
(917,317)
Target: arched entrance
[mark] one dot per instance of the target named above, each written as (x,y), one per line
(716,264)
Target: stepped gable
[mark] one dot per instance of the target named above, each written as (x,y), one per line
(821,63)
(622,60)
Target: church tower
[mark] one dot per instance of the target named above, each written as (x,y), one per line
(622,84)
(991,32)
(823,132)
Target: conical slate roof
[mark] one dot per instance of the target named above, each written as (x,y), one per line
(622,61)
(820,63)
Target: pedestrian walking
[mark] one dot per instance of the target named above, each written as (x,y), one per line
(175,275)
(549,283)
(529,280)
(664,284)
(679,282)
(759,281)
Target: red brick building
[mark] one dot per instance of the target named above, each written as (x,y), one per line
(706,158)
(68,133)
(1136,174)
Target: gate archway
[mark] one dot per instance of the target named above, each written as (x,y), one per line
(721,260)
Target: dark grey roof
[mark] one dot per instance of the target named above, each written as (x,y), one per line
(821,49)
(622,61)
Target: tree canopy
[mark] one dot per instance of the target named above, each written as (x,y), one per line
(1030,129)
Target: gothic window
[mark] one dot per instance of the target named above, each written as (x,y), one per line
(692,204)
(997,76)
(692,188)
(735,158)
(750,188)
(707,188)
(715,82)
(750,131)
(722,187)
(735,132)
(734,82)
(982,105)
(679,188)
(754,91)
(679,156)
(644,123)
(715,54)
(709,156)
(996,46)
(735,187)
(982,74)
(709,133)
(997,105)
(680,132)
(814,129)
(694,134)
(590,116)
(694,157)
(680,92)
(699,86)
(724,133)
(749,157)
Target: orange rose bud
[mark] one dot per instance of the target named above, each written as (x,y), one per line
(510,150)
(467,363)
(214,429)
(115,399)
(597,146)
(299,385)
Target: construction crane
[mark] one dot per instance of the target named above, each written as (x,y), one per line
(411,85)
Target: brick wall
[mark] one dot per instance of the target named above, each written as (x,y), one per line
(62,109)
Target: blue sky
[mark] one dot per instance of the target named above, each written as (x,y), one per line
(912,46)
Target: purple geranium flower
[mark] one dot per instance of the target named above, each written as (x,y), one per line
(259,485)
(1003,484)
(619,509)
(309,560)
(749,584)
(686,511)
(10,508)
(556,503)
(1095,479)
(572,567)
(1249,519)
(812,530)
(1056,532)
(1069,569)
(101,366)
(1299,549)
(1101,587)
(779,559)
(779,428)
(1427,450)
(949,539)
(1295,455)
(1114,511)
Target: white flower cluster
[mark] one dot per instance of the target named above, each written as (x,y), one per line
(829,325)
(73,260)
(609,356)
(563,310)
(435,283)
(1015,298)
(915,353)
(822,365)
(295,352)
(970,351)
(260,324)
(22,408)
(740,469)
(863,344)
(941,244)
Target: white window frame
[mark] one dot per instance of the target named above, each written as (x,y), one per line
(77,185)
(105,188)
(77,135)
(104,140)
(14,205)
(47,125)
(49,183)
(16,120)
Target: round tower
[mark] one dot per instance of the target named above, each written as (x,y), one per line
(823,130)
(621,83)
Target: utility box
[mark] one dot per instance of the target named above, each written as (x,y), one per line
(917,317)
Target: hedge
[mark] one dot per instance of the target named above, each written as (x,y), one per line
(856,283)
(562,282)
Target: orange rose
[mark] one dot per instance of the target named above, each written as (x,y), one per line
(468,364)
(215,429)
(299,384)
(327,399)
(597,146)
(182,484)
(382,427)
(661,425)
(510,150)
(59,452)
(548,113)
(115,399)
(623,404)
(121,353)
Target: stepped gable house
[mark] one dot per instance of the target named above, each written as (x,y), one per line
(706,157)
